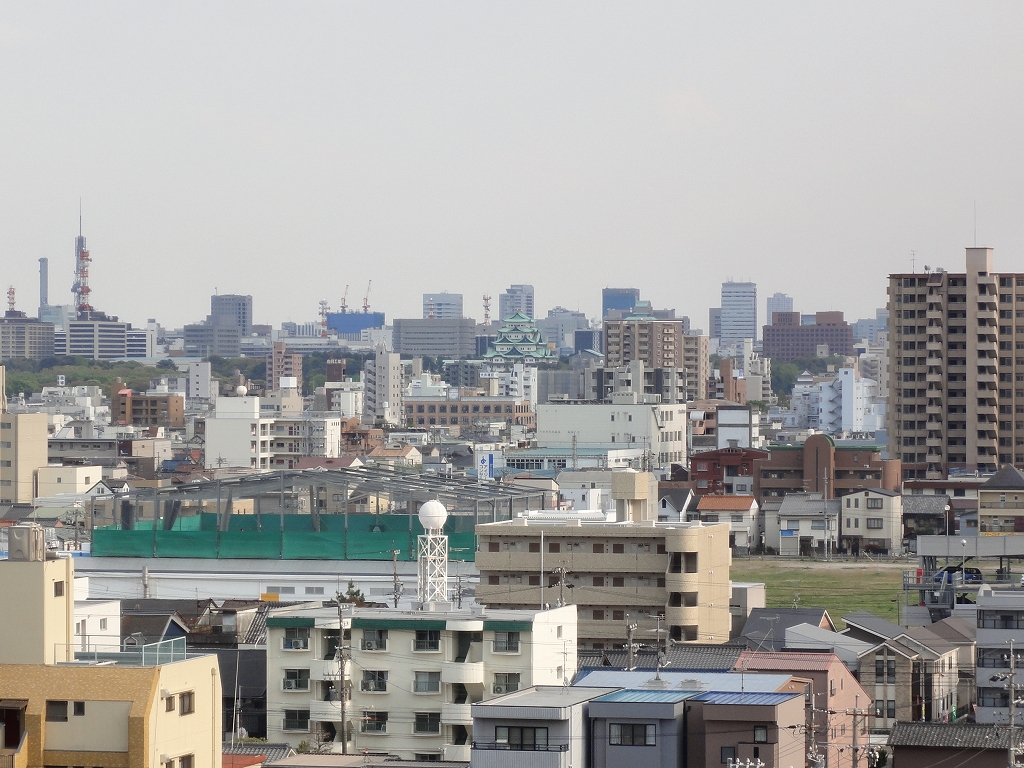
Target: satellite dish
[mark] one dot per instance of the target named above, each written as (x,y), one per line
(432,515)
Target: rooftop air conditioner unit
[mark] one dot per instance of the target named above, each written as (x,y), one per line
(370,645)
(26,543)
(499,689)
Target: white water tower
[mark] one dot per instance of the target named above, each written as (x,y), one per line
(432,555)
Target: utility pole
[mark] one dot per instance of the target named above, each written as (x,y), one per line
(397,587)
(856,741)
(630,659)
(341,655)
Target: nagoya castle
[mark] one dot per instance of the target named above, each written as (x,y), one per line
(518,341)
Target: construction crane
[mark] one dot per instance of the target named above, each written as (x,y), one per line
(10,299)
(324,309)
(366,298)
(344,301)
(487,309)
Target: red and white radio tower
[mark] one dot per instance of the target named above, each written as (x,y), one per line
(81,286)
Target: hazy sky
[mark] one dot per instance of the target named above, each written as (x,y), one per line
(288,149)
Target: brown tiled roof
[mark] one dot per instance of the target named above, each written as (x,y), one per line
(949,735)
(784,661)
(726,502)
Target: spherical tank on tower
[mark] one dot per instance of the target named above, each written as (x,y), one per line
(432,515)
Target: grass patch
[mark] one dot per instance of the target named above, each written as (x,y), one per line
(837,587)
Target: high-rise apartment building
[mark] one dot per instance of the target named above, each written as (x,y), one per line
(443,306)
(382,387)
(956,369)
(659,344)
(23,450)
(779,302)
(24,337)
(283,364)
(622,299)
(739,311)
(518,298)
(232,309)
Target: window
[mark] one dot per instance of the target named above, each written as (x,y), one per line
(374,722)
(506,642)
(554,547)
(79,709)
(428,640)
(375,640)
(427,682)
(631,734)
(296,638)
(728,754)
(314,590)
(760,734)
(506,682)
(296,680)
(186,761)
(890,709)
(169,704)
(296,720)
(874,522)
(58,589)
(187,702)
(56,711)
(873,503)
(103,624)
(598,614)
(374,681)
(427,722)
(519,738)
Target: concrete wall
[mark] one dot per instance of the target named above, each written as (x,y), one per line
(37,623)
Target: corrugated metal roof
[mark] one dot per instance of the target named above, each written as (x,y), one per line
(782,661)
(682,681)
(635,695)
(746,699)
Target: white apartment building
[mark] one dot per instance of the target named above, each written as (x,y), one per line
(739,312)
(1000,617)
(627,421)
(237,435)
(519,382)
(199,381)
(834,403)
(872,521)
(411,676)
(74,479)
(382,387)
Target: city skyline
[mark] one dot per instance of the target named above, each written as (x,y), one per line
(288,152)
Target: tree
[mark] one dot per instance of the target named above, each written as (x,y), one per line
(353,595)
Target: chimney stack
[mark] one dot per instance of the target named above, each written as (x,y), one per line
(44,282)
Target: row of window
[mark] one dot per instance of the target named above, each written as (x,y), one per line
(598,548)
(455,409)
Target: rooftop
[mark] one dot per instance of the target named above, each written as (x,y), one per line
(746,699)
(875,625)
(648,695)
(726,503)
(1008,478)
(785,660)
(546,696)
(724,682)
(949,736)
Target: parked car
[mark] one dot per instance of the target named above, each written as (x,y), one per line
(970,575)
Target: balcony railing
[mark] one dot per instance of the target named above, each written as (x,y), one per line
(506,747)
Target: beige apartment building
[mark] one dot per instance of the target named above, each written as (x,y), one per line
(23,450)
(73,704)
(659,344)
(956,363)
(616,573)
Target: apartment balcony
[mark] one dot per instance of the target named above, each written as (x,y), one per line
(933,378)
(465,672)
(934,314)
(457,714)
(491,755)
(988,377)
(988,345)
(325,710)
(935,408)
(934,442)
(577,561)
(324,669)
(987,280)
(933,345)
(987,314)
(987,410)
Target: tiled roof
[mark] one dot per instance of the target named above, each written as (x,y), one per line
(955,629)
(272,751)
(726,502)
(693,658)
(1009,478)
(932,506)
(949,735)
(783,661)
(765,628)
(808,504)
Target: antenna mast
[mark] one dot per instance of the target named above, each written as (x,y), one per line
(82,261)
(324,309)
(487,309)
(10,299)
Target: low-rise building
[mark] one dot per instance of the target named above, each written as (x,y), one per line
(640,570)
(150,409)
(68,702)
(871,522)
(1000,617)
(726,470)
(412,677)
(805,523)
(740,512)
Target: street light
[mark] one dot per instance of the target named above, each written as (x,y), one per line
(963,559)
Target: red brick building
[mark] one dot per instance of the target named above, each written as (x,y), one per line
(722,470)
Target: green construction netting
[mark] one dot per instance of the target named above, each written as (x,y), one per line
(369,537)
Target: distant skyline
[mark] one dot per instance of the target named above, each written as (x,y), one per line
(286,150)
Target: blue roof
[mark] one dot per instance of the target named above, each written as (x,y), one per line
(748,699)
(605,677)
(635,695)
